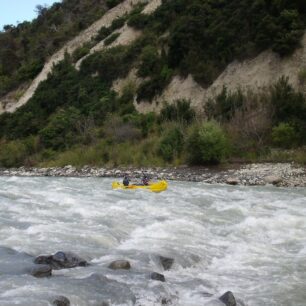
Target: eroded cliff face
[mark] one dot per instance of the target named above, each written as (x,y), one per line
(253,74)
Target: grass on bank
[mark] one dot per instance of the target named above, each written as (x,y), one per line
(112,155)
(238,127)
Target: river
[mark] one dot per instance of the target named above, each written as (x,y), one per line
(249,240)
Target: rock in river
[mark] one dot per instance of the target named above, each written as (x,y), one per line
(166,262)
(61,260)
(228,299)
(61,301)
(157,276)
(120,264)
(41,271)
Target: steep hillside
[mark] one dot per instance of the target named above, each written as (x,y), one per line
(254,74)
(25,48)
(10,104)
(139,84)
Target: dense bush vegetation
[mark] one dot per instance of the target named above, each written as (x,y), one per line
(75,117)
(171,144)
(179,111)
(80,52)
(204,36)
(111,39)
(284,136)
(24,48)
(207,144)
(113,3)
(256,121)
(106,31)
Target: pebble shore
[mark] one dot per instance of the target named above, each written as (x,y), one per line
(279,174)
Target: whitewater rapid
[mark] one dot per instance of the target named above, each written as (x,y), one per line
(249,240)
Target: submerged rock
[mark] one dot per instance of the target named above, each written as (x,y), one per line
(41,271)
(120,264)
(166,301)
(228,299)
(61,260)
(166,262)
(110,290)
(61,301)
(157,276)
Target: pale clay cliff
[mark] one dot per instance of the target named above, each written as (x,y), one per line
(253,74)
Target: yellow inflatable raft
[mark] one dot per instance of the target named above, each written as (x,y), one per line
(154,187)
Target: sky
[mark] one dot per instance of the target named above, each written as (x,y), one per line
(12,11)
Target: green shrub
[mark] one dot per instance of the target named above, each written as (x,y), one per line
(111,39)
(149,61)
(110,64)
(302,76)
(118,23)
(6,83)
(284,136)
(290,30)
(154,86)
(224,106)
(60,131)
(288,105)
(138,21)
(31,144)
(103,33)
(80,52)
(30,70)
(171,145)
(113,3)
(145,122)
(12,154)
(179,111)
(106,31)
(149,89)
(126,100)
(300,156)
(207,144)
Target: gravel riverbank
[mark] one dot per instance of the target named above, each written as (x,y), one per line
(279,174)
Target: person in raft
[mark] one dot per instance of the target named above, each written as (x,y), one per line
(126,181)
(145,180)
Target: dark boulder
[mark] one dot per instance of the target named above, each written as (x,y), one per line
(110,292)
(61,301)
(228,299)
(120,264)
(157,276)
(41,271)
(166,301)
(166,262)
(61,260)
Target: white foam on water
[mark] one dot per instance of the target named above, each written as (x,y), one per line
(248,240)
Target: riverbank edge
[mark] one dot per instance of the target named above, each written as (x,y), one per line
(278,174)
